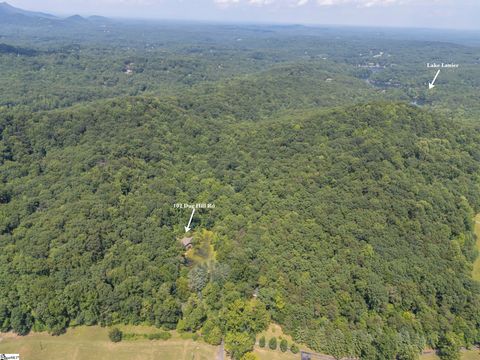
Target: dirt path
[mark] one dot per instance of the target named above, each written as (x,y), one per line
(221,351)
(184,354)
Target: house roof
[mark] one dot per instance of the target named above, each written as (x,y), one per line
(186,241)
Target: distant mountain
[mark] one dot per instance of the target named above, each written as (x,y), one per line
(11,15)
(76,19)
(7,9)
(98,18)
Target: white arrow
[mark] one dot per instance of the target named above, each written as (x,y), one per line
(432,84)
(188,228)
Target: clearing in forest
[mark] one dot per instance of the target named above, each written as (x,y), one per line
(82,343)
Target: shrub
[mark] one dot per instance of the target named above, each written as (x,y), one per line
(213,336)
(238,344)
(294,349)
(272,344)
(164,335)
(186,335)
(115,335)
(261,342)
(132,336)
(283,345)
(448,347)
(249,356)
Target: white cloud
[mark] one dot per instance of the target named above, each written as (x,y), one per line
(226,2)
(301,2)
(261,2)
(297,3)
(362,3)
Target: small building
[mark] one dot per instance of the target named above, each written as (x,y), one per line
(128,68)
(187,242)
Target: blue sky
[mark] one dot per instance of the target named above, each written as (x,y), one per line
(461,14)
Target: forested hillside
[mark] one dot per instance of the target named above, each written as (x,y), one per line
(352,223)
(342,212)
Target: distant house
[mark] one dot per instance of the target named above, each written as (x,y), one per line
(128,69)
(187,242)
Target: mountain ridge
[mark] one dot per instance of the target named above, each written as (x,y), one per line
(11,15)
(7,9)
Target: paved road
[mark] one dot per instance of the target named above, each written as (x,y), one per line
(221,351)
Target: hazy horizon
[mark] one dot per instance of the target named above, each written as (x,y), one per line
(443,14)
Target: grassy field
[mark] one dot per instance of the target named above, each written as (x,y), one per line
(476,265)
(264,354)
(276,330)
(267,354)
(84,343)
(466,355)
(471,355)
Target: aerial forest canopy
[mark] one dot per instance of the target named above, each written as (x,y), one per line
(342,212)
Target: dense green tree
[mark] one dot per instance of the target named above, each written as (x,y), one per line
(449,347)
(237,344)
(20,321)
(212,332)
(198,278)
(167,313)
(337,344)
(115,335)
(4,317)
(261,341)
(194,315)
(250,316)
(250,356)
